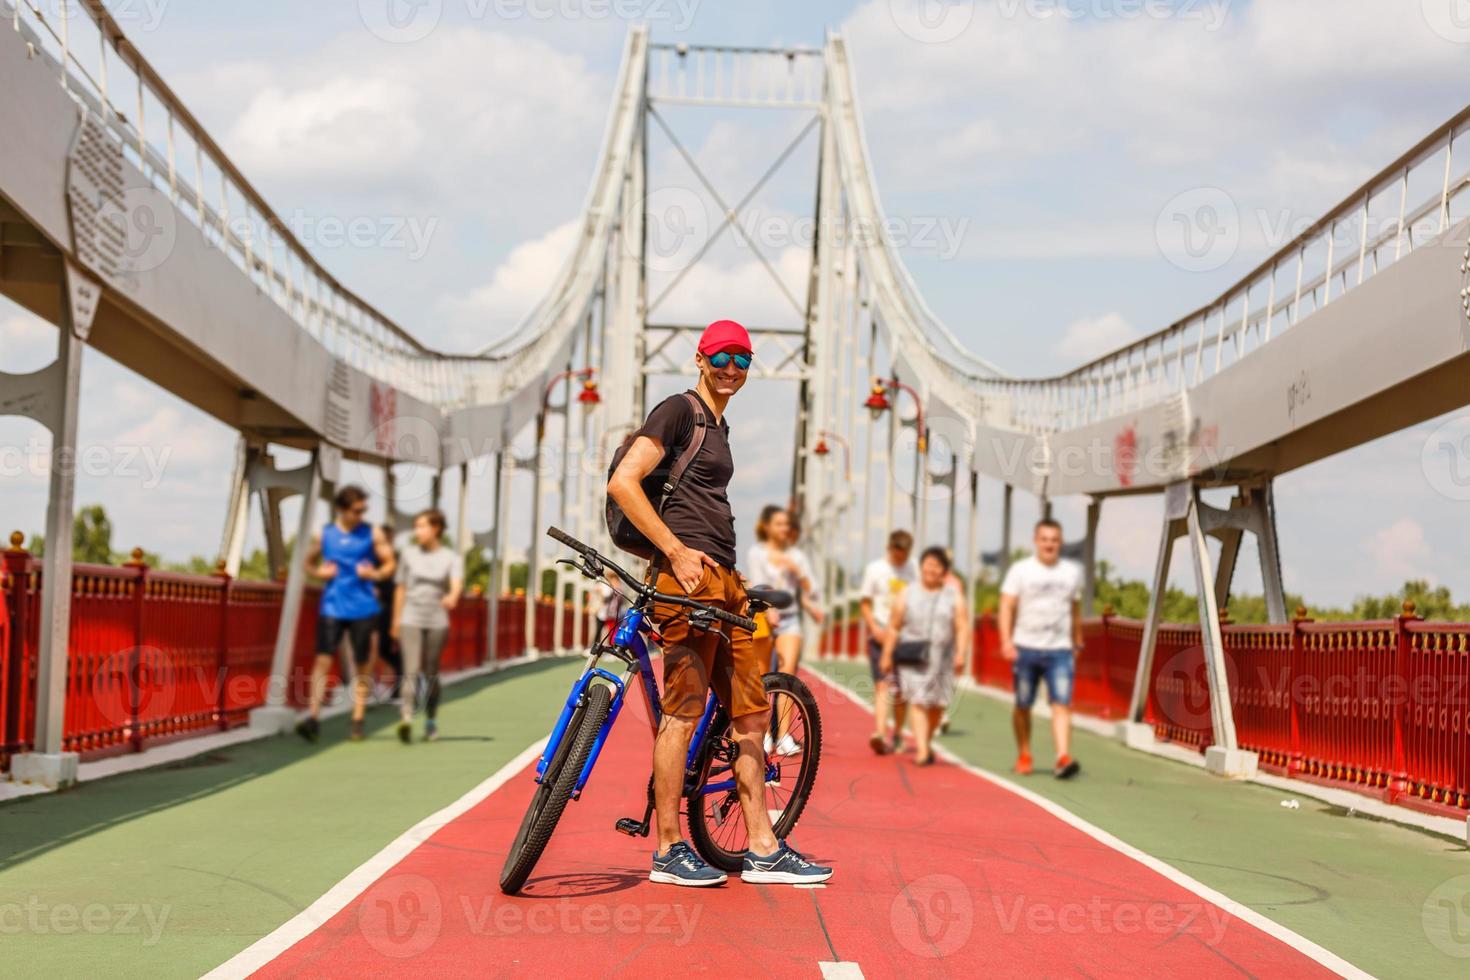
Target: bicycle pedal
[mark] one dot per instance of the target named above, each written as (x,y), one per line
(631,827)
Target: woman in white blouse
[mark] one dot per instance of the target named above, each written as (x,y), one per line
(774,562)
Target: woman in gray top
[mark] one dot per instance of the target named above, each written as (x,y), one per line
(430,580)
(932,612)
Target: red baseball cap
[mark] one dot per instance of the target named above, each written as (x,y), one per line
(725,335)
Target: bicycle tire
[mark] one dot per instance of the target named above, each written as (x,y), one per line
(551,797)
(701,834)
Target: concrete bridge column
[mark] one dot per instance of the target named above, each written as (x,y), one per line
(1089,556)
(1187,515)
(51,396)
(1005,530)
(310,481)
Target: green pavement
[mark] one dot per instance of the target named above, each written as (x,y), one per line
(168,872)
(1392,900)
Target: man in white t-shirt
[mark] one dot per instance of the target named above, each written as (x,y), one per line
(883,580)
(1041,635)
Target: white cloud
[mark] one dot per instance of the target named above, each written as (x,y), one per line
(1092,337)
(1399,551)
(489,311)
(28,341)
(445,122)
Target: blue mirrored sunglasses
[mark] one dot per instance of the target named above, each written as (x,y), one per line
(724,357)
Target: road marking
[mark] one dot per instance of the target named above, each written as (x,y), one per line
(841,971)
(1246,914)
(288,934)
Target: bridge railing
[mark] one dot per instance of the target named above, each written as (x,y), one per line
(1411,202)
(1381,706)
(156,656)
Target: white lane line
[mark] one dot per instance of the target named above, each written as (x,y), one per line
(267,948)
(841,971)
(1272,928)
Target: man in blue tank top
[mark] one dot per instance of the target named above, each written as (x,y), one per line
(352,556)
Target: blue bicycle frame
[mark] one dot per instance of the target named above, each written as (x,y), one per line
(629,636)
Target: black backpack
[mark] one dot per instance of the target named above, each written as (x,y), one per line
(659,486)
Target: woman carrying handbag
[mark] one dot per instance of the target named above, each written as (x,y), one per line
(925,639)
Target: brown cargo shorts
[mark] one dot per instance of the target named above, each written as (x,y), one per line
(693,661)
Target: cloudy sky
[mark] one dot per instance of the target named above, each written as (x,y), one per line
(1045,139)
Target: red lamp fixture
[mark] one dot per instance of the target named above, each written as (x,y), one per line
(589,394)
(821,448)
(878,402)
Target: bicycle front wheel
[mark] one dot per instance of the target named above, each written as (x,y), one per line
(551,797)
(793,747)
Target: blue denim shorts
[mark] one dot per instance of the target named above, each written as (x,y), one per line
(1056,666)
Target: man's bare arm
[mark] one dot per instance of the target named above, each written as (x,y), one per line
(1007,625)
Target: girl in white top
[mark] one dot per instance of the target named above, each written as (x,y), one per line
(772,561)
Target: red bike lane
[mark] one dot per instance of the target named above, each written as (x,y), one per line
(939,873)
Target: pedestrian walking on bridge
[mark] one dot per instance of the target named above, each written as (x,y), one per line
(1041,635)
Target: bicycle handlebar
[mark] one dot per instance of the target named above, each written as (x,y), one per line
(647,591)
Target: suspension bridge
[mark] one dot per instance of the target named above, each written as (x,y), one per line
(127,227)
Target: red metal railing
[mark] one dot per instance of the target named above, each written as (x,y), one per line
(155,656)
(1383,706)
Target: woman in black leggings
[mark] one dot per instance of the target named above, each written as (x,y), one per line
(430,580)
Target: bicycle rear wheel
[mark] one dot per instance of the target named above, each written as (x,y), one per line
(551,797)
(716,822)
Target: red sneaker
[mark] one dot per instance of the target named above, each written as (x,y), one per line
(1023,764)
(1066,767)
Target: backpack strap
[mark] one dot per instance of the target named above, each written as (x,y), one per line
(686,458)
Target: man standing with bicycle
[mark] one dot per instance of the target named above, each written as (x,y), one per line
(693,531)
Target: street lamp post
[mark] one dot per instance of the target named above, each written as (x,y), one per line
(588,397)
(877,403)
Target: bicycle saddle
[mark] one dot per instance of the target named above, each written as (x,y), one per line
(762,597)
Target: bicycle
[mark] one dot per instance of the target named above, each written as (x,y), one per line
(712,805)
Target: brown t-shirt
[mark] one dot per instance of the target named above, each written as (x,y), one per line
(699,511)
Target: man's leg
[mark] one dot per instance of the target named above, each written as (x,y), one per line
(1025,677)
(360,637)
(670,750)
(321,669)
(1061,669)
(1061,729)
(750,779)
(1021,725)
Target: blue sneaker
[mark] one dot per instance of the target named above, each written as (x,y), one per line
(785,867)
(681,866)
